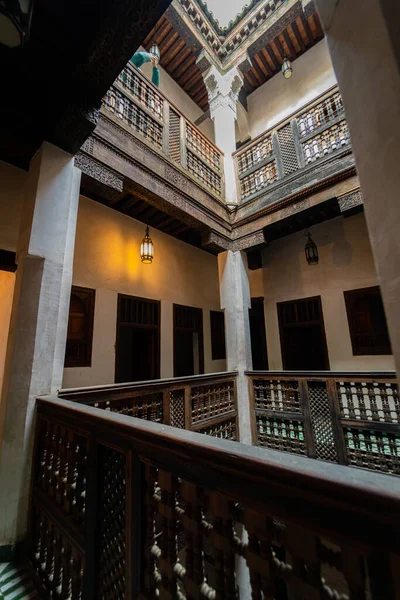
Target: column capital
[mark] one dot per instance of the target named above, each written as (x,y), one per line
(223,89)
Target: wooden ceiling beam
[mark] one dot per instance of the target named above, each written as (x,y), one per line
(199,87)
(167,43)
(126,202)
(179,59)
(272,57)
(289,44)
(298,35)
(185,66)
(258,73)
(307,28)
(194,82)
(263,64)
(190,73)
(158,33)
(252,82)
(178,46)
(279,47)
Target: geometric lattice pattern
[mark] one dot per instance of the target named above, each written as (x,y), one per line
(277,395)
(177,408)
(328,141)
(134,116)
(320,114)
(352,422)
(286,435)
(61,473)
(225,430)
(196,538)
(199,169)
(111,524)
(256,154)
(211,400)
(174,138)
(146,406)
(55,557)
(259,180)
(376,450)
(143,93)
(201,146)
(321,421)
(288,150)
(369,401)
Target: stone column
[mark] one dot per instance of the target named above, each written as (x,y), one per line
(235,300)
(365,52)
(223,91)
(36,346)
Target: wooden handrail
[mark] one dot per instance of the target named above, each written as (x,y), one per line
(349,418)
(143,109)
(286,120)
(203,403)
(313,133)
(123,508)
(157,90)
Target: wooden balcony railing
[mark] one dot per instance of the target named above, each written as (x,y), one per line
(143,108)
(348,418)
(122,508)
(203,403)
(309,135)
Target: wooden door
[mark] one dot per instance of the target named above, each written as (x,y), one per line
(258,335)
(188,341)
(137,352)
(302,334)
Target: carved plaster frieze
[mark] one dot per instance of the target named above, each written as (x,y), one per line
(350,201)
(256,238)
(215,242)
(99,172)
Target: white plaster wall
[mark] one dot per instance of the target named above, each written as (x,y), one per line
(12,182)
(181,99)
(345,263)
(107,260)
(279,97)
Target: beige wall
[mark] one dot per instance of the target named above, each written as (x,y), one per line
(345,263)
(7,284)
(107,259)
(181,99)
(278,98)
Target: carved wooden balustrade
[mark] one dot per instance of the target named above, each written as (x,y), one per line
(349,418)
(146,111)
(203,403)
(317,131)
(122,508)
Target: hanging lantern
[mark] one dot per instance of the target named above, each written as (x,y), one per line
(311,250)
(15,22)
(287,69)
(155,54)
(147,249)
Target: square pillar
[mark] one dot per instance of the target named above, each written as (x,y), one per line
(236,301)
(39,320)
(365,50)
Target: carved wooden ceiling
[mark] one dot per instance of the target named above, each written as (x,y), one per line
(179,60)
(292,35)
